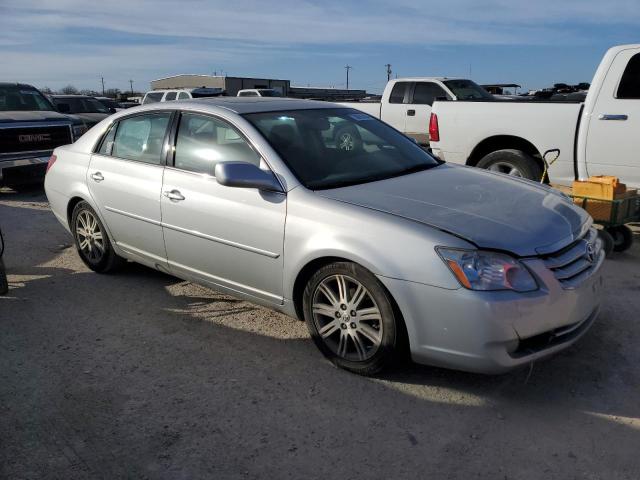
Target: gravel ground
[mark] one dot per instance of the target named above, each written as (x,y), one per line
(142,375)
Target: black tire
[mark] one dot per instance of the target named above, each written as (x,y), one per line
(392,344)
(106,260)
(348,139)
(607,241)
(4,284)
(504,161)
(622,237)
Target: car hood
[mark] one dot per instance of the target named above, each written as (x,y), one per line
(490,210)
(32,116)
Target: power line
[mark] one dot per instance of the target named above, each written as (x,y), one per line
(348,67)
(388,65)
(131,83)
(102,78)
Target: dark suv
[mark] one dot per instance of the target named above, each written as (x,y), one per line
(30,128)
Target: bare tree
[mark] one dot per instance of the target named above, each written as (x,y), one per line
(89,92)
(112,92)
(46,90)
(69,90)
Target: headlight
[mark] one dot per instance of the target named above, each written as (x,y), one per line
(483,270)
(78,131)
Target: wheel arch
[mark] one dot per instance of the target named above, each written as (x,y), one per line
(504,142)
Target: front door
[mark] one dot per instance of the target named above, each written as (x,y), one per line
(613,138)
(125,179)
(226,237)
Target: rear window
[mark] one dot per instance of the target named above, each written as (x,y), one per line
(397,94)
(630,83)
(468,90)
(152,97)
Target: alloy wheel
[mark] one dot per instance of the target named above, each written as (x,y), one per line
(90,236)
(347,318)
(506,168)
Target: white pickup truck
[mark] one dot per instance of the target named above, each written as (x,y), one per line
(406,102)
(597,137)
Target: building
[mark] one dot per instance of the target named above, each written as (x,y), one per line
(231,85)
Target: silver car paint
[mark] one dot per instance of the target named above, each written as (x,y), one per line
(377,225)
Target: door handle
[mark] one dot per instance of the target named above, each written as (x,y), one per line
(411,113)
(609,116)
(97,177)
(173,195)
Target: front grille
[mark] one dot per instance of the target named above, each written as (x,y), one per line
(574,264)
(33,139)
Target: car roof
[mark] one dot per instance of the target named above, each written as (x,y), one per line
(72,96)
(242,105)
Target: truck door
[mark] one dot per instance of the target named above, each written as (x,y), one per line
(613,138)
(394,112)
(422,96)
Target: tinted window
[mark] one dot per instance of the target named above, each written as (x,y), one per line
(152,97)
(397,94)
(630,82)
(248,94)
(18,98)
(81,104)
(170,96)
(141,138)
(468,90)
(183,96)
(107,144)
(204,141)
(426,92)
(270,93)
(331,148)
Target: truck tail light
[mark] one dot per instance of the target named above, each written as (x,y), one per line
(52,160)
(434,131)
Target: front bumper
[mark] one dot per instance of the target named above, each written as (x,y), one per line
(494,332)
(23,169)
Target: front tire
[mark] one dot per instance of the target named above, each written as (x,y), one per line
(515,163)
(92,241)
(351,318)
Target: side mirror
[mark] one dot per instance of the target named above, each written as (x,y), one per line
(63,107)
(246,175)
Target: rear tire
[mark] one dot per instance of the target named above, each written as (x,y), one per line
(607,241)
(92,241)
(512,162)
(351,319)
(622,237)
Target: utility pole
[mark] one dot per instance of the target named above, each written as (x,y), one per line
(131,83)
(388,65)
(348,67)
(102,78)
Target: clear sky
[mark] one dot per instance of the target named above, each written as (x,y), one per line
(533,43)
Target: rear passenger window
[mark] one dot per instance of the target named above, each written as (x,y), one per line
(425,93)
(630,82)
(183,96)
(170,96)
(204,141)
(141,138)
(397,94)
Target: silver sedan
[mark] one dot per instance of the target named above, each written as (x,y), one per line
(383,250)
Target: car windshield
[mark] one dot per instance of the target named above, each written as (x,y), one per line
(330,148)
(468,90)
(270,93)
(82,105)
(16,97)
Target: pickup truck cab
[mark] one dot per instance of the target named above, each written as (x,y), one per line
(406,102)
(30,128)
(596,137)
(259,92)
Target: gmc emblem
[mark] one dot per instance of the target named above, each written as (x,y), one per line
(34,137)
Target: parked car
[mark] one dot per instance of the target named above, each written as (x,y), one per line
(180,94)
(4,284)
(259,92)
(30,129)
(406,102)
(110,103)
(89,109)
(599,136)
(125,105)
(379,248)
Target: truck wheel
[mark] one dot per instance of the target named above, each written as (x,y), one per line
(622,237)
(512,162)
(607,241)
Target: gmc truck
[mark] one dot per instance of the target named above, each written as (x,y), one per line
(30,129)
(600,136)
(406,102)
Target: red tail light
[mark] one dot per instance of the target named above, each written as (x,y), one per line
(52,160)
(434,131)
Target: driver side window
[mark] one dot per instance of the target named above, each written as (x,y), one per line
(204,141)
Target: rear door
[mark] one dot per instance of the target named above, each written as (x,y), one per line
(422,96)
(613,139)
(125,179)
(394,111)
